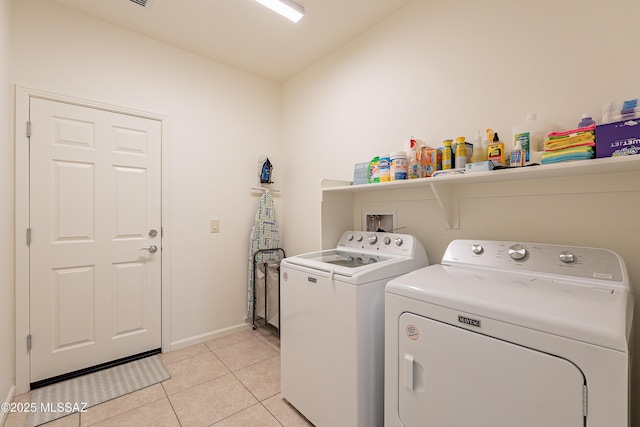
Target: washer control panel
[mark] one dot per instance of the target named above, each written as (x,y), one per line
(575,261)
(387,243)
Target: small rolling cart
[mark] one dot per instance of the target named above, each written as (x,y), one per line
(266,287)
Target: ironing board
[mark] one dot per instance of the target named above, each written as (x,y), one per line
(264,235)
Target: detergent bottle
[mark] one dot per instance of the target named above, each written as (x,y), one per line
(531,133)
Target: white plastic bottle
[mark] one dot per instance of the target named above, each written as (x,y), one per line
(479,154)
(398,165)
(532,134)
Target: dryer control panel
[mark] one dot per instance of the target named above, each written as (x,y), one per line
(572,261)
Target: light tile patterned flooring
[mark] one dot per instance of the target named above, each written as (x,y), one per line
(226,382)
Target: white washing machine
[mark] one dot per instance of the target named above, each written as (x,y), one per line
(332,326)
(503,334)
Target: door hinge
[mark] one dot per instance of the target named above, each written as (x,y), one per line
(28,236)
(29,342)
(28,129)
(585,398)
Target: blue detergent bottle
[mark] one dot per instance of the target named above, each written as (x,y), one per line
(586,120)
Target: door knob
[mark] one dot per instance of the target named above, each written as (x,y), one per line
(152,249)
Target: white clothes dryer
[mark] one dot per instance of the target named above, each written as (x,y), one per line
(332,327)
(504,334)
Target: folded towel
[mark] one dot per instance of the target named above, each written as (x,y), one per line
(576,153)
(561,145)
(567,158)
(590,128)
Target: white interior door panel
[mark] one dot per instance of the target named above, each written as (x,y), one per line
(95,187)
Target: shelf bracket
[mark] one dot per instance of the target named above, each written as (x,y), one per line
(447,200)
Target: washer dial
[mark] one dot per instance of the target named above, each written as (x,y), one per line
(517,252)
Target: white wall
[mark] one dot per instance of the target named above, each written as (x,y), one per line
(220,120)
(7,326)
(438,70)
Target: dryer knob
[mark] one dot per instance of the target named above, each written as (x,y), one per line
(398,241)
(372,239)
(517,252)
(349,237)
(358,238)
(387,240)
(477,249)
(567,257)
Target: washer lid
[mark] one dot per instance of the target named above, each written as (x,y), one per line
(591,314)
(354,267)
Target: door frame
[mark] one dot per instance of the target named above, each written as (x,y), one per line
(22,300)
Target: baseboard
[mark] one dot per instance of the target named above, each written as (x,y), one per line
(8,400)
(188,342)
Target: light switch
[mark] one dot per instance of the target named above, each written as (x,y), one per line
(214,226)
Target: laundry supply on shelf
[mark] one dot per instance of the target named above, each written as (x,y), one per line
(586,120)
(447,154)
(531,133)
(619,111)
(385,168)
(461,152)
(477,154)
(618,139)
(374,170)
(495,150)
(435,161)
(423,157)
(398,165)
(575,144)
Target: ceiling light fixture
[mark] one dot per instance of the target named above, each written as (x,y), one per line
(287,8)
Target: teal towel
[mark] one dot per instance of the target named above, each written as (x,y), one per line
(568,157)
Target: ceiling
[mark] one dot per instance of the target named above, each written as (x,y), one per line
(243,33)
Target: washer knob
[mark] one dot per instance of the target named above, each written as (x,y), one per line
(387,240)
(477,249)
(358,238)
(372,239)
(349,237)
(567,257)
(517,252)
(398,241)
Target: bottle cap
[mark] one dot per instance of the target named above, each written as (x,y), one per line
(585,116)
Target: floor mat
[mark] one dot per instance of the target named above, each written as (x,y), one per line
(79,394)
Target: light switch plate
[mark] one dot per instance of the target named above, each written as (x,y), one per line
(214,226)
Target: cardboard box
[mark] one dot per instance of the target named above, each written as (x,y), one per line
(618,139)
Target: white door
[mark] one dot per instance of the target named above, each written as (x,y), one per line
(95,186)
(450,376)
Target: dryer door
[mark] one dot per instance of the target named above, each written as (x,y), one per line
(450,376)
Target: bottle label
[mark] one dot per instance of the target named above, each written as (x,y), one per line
(446,158)
(525,140)
(398,169)
(496,153)
(385,169)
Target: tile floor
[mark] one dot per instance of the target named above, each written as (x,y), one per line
(226,382)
